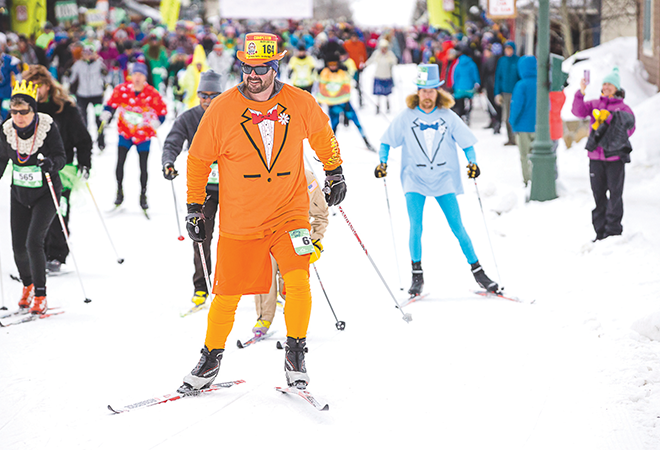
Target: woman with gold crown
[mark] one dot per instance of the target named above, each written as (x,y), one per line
(24,137)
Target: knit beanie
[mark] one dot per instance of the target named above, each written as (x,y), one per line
(139,67)
(209,81)
(613,78)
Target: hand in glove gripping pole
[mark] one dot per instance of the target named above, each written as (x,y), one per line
(195,222)
(335,186)
(169,172)
(473,170)
(381,170)
(46,164)
(316,254)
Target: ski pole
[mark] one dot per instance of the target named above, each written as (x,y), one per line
(339,324)
(2,288)
(309,164)
(406,316)
(396,256)
(119,259)
(488,233)
(207,278)
(176,213)
(66,233)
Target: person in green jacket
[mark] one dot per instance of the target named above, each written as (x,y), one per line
(156,57)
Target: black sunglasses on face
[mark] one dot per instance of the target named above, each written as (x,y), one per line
(259,70)
(22,112)
(204,95)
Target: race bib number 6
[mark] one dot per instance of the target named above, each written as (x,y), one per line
(302,241)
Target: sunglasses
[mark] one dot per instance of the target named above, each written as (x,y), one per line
(22,112)
(259,70)
(204,95)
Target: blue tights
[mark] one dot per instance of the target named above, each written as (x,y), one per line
(346,108)
(449,205)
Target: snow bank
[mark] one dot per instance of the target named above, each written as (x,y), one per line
(600,60)
(646,150)
(649,326)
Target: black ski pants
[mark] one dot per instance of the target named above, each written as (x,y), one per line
(121,160)
(56,247)
(209,210)
(29,225)
(83,103)
(607,177)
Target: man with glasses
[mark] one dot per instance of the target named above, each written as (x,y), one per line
(255,133)
(182,133)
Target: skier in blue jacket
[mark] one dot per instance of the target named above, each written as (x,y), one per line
(429,133)
(523,112)
(465,81)
(506,77)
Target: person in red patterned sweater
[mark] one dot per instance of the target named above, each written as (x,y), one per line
(141,110)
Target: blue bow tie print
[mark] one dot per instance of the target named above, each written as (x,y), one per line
(423,126)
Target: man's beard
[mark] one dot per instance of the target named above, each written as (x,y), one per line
(260,87)
(427,103)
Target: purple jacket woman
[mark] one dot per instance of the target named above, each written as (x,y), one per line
(606,175)
(583,109)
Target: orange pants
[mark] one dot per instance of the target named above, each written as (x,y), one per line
(244,267)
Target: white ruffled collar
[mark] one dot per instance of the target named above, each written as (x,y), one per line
(25,146)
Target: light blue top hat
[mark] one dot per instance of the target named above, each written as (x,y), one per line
(428,76)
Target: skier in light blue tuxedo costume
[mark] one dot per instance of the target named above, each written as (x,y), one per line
(430,134)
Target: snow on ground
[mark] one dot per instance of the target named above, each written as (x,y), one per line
(568,371)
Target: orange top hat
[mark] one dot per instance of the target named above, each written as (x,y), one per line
(259,49)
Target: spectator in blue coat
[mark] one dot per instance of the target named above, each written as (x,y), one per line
(506,77)
(8,65)
(523,112)
(465,80)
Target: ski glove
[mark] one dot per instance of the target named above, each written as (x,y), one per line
(381,170)
(105,116)
(84,173)
(195,222)
(316,254)
(600,116)
(473,170)
(46,165)
(335,186)
(169,172)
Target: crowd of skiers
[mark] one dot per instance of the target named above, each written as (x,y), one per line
(128,71)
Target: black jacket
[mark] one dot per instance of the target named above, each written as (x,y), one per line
(183,130)
(613,137)
(50,147)
(74,134)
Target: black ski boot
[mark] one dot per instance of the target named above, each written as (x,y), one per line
(417,279)
(204,373)
(143,200)
(294,363)
(120,197)
(482,279)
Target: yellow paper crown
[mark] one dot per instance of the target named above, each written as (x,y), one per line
(25,88)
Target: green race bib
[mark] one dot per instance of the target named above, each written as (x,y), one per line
(214,176)
(302,241)
(28,176)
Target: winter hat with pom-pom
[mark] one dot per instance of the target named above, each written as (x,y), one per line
(613,78)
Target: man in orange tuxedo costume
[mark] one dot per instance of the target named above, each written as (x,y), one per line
(255,132)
